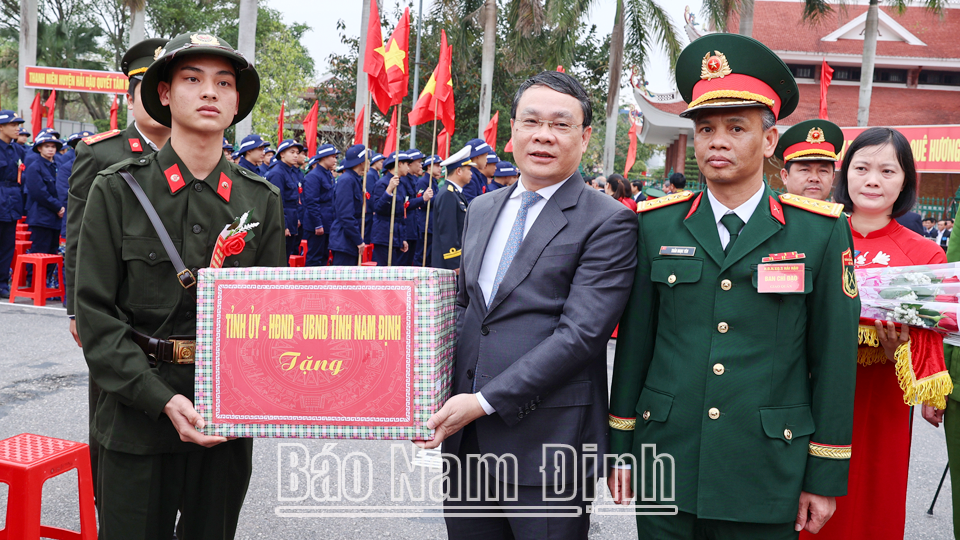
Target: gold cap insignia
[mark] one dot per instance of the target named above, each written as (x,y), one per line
(204,39)
(714,66)
(159,52)
(815,136)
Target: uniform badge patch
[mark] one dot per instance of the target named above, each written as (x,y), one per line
(849,278)
(174,178)
(135,145)
(224,187)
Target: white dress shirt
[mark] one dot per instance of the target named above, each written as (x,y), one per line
(744,211)
(498,241)
(145,139)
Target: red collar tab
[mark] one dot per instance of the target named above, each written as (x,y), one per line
(135,145)
(777,211)
(693,207)
(174,178)
(224,186)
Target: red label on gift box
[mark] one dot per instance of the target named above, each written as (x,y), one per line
(313,352)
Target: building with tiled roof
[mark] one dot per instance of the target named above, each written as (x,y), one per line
(916,77)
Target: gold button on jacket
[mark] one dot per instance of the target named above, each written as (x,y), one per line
(726,284)
(723,327)
(713,413)
(718,369)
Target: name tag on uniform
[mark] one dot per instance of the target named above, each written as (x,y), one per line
(681,251)
(780,278)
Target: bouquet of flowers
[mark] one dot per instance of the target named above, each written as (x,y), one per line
(920,296)
(232,239)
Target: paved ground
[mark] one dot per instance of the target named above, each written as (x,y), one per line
(43,390)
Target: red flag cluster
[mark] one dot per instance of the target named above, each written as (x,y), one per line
(387,64)
(436,100)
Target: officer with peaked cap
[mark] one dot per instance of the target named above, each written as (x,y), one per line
(11,194)
(478,154)
(736,354)
(346,240)
(319,211)
(809,152)
(450,211)
(426,182)
(251,151)
(44,210)
(414,207)
(286,176)
(136,301)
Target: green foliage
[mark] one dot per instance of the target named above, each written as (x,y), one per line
(285,71)
(103,124)
(593,158)
(170,18)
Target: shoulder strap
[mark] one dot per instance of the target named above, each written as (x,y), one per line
(185,276)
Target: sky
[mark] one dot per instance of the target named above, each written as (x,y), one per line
(323,39)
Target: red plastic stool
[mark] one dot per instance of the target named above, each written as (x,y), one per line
(38,290)
(23,235)
(367,254)
(21,226)
(303,248)
(26,462)
(20,249)
(297,261)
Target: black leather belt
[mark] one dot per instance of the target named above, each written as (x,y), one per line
(176,350)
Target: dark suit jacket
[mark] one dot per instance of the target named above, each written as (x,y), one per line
(539,353)
(912,221)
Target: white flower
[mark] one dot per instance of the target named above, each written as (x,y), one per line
(907,315)
(909,297)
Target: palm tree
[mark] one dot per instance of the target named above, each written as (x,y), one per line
(639,25)
(721,11)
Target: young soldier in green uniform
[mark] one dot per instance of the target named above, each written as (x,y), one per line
(753,399)
(136,301)
(450,212)
(809,151)
(143,137)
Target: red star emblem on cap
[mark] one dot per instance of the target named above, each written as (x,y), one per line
(713,64)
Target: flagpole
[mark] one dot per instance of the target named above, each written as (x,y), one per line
(426,223)
(396,168)
(366,170)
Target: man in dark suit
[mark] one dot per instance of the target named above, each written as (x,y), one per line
(929,228)
(545,272)
(911,220)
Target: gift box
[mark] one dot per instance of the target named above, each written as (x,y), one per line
(331,353)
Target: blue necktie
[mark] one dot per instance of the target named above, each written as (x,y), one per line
(527,199)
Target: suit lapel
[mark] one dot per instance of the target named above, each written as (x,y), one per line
(550,222)
(487,221)
(703,226)
(762,225)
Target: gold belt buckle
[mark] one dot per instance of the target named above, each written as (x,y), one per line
(184,351)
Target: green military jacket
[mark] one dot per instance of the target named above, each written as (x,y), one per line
(126,280)
(951,353)
(751,394)
(94,154)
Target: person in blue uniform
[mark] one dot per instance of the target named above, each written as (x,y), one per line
(45,213)
(388,187)
(268,155)
(478,183)
(451,210)
(30,157)
(426,183)
(227,149)
(11,195)
(373,174)
(23,138)
(251,151)
(505,176)
(346,240)
(286,176)
(318,204)
(490,169)
(63,172)
(413,206)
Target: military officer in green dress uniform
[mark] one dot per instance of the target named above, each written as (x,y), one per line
(95,153)
(136,301)
(450,211)
(809,152)
(734,375)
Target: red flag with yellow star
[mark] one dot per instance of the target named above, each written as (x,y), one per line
(423,111)
(373,62)
(444,93)
(396,60)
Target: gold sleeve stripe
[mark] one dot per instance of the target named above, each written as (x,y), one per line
(136,71)
(830,452)
(623,424)
(453,253)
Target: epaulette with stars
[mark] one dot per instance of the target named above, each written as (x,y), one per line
(93,139)
(813,205)
(660,202)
